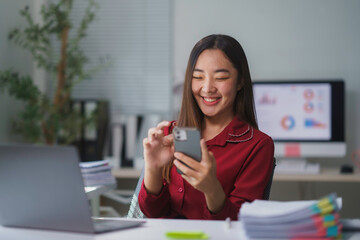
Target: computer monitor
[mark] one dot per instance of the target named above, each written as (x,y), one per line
(304,118)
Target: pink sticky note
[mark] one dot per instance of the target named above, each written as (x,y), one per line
(292,150)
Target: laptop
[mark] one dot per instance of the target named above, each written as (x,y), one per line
(42,187)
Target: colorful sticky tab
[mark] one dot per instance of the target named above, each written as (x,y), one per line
(325,205)
(327,220)
(333,231)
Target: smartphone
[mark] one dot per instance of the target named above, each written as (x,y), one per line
(187,141)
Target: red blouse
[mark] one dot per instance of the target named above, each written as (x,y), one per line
(244,162)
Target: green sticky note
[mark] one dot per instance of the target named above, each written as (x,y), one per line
(187,235)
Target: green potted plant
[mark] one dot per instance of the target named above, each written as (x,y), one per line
(49,118)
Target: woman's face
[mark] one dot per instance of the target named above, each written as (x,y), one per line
(214,84)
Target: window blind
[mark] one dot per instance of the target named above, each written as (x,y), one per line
(135,35)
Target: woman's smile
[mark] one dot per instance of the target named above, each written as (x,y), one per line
(211,100)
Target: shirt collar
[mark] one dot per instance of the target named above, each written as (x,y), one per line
(236,131)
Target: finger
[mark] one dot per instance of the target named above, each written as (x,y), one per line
(183,168)
(151,133)
(212,160)
(169,140)
(163,124)
(189,179)
(146,143)
(192,163)
(204,151)
(154,133)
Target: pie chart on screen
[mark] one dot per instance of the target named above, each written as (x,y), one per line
(288,122)
(309,107)
(309,94)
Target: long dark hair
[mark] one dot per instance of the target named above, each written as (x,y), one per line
(190,114)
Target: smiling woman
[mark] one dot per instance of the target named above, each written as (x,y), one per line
(237,159)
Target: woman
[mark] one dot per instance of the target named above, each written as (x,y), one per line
(237,158)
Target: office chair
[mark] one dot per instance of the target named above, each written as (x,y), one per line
(269,183)
(134,209)
(135,212)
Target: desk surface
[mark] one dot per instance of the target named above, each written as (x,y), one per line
(325,175)
(152,229)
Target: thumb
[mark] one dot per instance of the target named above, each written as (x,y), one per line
(204,150)
(168,140)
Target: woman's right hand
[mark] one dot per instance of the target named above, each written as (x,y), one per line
(158,152)
(158,149)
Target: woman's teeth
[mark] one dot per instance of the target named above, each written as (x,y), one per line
(210,99)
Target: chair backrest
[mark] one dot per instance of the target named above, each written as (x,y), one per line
(134,210)
(269,183)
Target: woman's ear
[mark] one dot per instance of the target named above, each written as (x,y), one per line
(240,85)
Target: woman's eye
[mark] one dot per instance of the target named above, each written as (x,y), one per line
(222,78)
(196,77)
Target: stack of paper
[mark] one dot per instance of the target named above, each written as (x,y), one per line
(97,173)
(294,219)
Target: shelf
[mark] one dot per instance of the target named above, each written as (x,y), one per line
(325,175)
(126,173)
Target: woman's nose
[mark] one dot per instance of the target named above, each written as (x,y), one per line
(208,85)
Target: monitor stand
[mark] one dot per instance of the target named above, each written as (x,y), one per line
(296,166)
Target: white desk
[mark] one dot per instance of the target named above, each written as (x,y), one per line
(152,229)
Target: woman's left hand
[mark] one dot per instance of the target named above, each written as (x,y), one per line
(201,175)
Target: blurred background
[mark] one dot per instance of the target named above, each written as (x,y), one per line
(146,45)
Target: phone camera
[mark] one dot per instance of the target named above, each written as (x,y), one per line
(177,135)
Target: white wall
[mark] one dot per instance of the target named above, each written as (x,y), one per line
(287,39)
(283,39)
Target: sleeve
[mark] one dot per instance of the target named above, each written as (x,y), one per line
(154,206)
(251,181)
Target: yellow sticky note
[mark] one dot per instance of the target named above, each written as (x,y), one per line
(187,235)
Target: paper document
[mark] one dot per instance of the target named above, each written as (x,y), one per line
(312,218)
